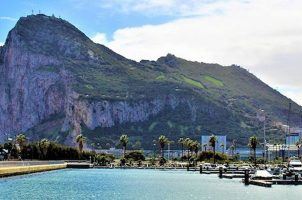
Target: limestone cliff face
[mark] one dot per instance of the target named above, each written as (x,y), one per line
(27,94)
(108,114)
(32,93)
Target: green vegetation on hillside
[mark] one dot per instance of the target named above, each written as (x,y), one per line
(213,80)
(192,82)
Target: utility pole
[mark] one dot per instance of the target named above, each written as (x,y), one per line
(288,124)
(288,117)
(261,118)
(168,150)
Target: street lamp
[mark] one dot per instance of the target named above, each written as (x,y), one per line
(261,117)
(154,149)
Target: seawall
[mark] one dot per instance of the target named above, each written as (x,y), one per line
(19,170)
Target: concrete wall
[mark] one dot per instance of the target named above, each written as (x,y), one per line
(11,171)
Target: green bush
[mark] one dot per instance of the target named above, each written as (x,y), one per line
(208,155)
(162,161)
(104,159)
(135,156)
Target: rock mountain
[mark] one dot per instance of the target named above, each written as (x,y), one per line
(56,83)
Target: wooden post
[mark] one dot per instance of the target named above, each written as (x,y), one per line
(220,172)
(246,177)
(188,167)
(284,176)
(200,168)
(296,178)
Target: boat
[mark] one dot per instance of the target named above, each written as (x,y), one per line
(295,165)
(262,174)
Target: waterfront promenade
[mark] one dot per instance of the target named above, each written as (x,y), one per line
(12,168)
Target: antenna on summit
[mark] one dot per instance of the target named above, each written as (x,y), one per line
(32,12)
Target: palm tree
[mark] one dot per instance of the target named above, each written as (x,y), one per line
(191,147)
(21,141)
(253,144)
(43,145)
(195,146)
(298,145)
(212,142)
(181,142)
(205,147)
(232,148)
(80,139)
(124,139)
(187,144)
(222,146)
(162,141)
(275,148)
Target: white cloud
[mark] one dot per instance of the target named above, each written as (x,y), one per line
(264,36)
(100,38)
(1,43)
(8,18)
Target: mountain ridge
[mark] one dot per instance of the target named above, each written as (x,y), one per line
(57,84)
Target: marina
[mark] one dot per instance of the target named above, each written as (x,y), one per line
(136,184)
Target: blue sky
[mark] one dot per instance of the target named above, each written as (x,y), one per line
(263,36)
(88,17)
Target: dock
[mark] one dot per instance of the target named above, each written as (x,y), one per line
(231,176)
(262,183)
(79,165)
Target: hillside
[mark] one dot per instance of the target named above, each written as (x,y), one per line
(57,83)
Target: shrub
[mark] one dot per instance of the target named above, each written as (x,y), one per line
(104,159)
(135,156)
(208,155)
(162,161)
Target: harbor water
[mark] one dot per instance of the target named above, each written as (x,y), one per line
(136,184)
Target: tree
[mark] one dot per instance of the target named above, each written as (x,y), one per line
(298,145)
(80,139)
(195,146)
(187,144)
(162,141)
(135,156)
(253,142)
(222,146)
(275,148)
(21,141)
(232,148)
(43,146)
(212,142)
(181,142)
(205,147)
(124,141)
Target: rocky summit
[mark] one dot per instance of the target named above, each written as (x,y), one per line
(56,83)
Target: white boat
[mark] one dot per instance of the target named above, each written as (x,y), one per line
(262,174)
(295,165)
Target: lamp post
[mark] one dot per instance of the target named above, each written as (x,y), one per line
(261,117)
(154,149)
(168,150)
(283,152)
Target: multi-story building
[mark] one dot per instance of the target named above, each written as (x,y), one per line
(294,136)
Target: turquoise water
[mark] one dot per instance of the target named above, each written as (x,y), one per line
(135,184)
